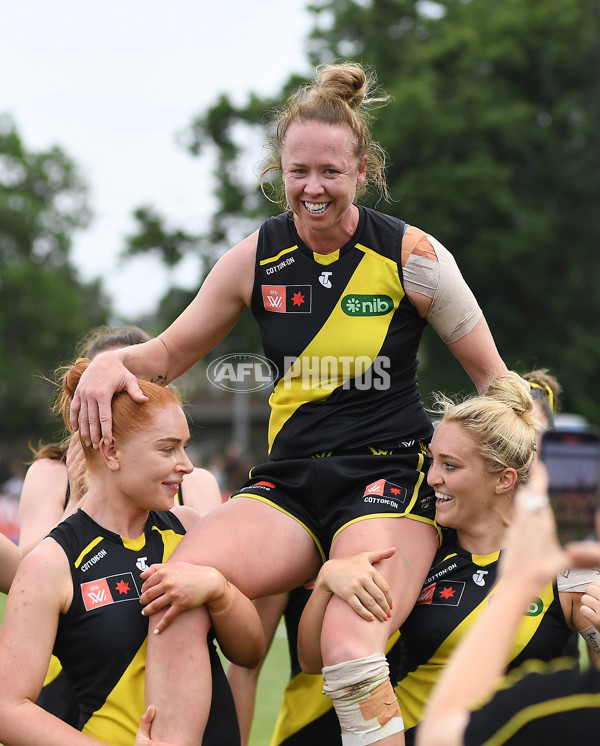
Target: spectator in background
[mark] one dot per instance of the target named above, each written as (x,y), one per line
(545,392)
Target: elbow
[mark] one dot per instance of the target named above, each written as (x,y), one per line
(251,654)
(310,663)
(256,653)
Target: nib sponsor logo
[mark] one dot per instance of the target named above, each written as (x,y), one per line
(262,485)
(109,590)
(442,593)
(385,493)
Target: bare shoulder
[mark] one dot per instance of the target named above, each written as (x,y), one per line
(45,572)
(48,468)
(201,491)
(48,556)
(43,499)
(188,516)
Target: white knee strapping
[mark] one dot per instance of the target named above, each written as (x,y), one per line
(363,699)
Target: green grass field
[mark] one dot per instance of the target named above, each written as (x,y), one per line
(272,680)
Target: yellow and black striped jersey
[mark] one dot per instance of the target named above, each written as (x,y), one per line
(101,640)
(342,336)
(456,591)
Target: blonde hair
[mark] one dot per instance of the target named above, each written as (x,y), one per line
(341,94)
(128,416)
(546,390)
(501,422)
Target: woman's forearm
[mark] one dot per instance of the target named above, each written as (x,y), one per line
(309,630)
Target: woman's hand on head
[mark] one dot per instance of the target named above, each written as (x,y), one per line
(356,581)
(91,406)
(143,737)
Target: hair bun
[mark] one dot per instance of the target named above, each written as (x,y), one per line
(513,391)
(346,81)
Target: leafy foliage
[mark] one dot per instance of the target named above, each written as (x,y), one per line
(494,145)
(44,307)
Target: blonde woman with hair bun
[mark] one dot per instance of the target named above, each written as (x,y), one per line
(481,453)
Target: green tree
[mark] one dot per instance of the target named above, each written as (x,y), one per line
(494,148)
(44,307)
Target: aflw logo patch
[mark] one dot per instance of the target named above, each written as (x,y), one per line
(442,593)
(109,590)
(384,489)
(287,298)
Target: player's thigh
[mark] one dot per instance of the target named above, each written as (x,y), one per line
(261,549)
(416,543)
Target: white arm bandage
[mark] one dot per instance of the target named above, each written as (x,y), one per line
(454,311)
(577,580)
(592,637)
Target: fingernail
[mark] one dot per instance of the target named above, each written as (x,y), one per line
(156,631)
(88,443)
(143,612)
(106,442)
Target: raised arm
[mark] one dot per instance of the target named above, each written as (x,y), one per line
(437,289)
(237,626)
(477,354)
(203,324)
(532,558)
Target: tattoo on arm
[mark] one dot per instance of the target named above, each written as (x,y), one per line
(161,380)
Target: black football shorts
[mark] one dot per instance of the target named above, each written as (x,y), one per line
(328,492)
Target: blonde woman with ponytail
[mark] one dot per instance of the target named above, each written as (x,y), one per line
(481,453)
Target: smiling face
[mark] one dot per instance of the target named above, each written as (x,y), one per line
(321,173)
(151,463)
(466,492)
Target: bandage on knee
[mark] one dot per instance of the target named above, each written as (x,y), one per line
(364,700)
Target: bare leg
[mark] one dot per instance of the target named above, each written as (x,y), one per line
(262,551)
(345,635)
(244,681)
(182,705)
